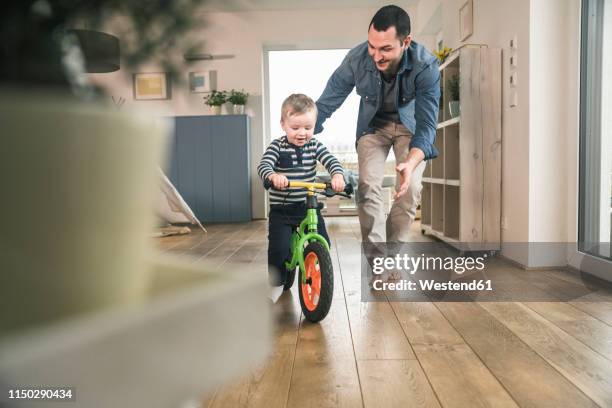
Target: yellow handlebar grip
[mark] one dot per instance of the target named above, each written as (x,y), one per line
(305,184)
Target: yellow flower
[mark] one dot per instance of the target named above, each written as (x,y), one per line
(442,54)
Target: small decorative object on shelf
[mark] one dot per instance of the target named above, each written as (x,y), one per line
(238,99)
(442,53)
(453,88)
(215,99)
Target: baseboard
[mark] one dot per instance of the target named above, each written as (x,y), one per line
(531,268)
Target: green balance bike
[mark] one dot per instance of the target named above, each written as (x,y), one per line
(310,252)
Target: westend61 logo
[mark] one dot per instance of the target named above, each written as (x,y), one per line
(412,264)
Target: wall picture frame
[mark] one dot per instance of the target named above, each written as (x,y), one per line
(202,81)
(151,86)
(466,20)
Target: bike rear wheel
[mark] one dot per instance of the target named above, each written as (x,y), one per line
(317,292)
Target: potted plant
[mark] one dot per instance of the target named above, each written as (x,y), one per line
(238,99)
(453,90)
(214,100)
(442,54)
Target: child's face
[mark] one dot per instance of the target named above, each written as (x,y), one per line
(299,128)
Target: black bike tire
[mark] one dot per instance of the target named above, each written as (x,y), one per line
(290,279)
(327,283)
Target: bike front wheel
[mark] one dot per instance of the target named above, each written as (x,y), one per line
(317,291)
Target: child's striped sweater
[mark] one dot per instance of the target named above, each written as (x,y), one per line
(297,164)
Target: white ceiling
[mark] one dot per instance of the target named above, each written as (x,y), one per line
(253,5)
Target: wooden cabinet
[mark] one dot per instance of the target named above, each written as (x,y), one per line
(210,166)
(461,196)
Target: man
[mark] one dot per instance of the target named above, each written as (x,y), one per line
(399,85)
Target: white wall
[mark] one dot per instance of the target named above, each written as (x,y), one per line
(554,44)
(572,121)
(427,22)
(246,34)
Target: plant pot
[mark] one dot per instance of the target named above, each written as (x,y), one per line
(238,109)
(215,110)
(454,108)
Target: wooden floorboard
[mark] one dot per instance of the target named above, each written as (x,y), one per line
(422,354)
(395,383)
(324,372)
(376,332)
(578,324)
(598,306)
(423,324)
(268,385)
(459,377)
(178,244)
(529,378)
(588,370)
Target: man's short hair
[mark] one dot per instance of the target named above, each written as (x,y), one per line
(297,104)
(392,16)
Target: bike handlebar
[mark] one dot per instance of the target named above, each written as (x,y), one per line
(326,187)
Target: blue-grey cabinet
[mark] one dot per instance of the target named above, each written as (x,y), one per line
(210,166)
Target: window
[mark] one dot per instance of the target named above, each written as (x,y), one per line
(307,72)
(595,166)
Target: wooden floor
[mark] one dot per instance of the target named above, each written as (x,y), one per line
(403,354)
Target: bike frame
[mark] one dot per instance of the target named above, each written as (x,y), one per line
(307,231)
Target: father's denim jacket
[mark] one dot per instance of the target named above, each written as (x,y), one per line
(417,100)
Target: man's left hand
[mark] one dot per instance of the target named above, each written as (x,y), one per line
(405,174)
(405,169)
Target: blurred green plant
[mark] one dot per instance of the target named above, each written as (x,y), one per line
(215,98)
(36,35)
(238,97)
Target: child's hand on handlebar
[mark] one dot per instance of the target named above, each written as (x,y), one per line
(337,183)
(279,181)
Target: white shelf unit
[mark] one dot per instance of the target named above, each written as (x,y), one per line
(461,196)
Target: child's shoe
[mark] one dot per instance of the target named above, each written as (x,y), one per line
(274,293)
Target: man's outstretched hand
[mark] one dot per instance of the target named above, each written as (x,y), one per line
(405,169)
(405,173)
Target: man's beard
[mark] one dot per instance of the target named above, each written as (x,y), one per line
(392,67)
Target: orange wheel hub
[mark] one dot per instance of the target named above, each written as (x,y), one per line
(311,290)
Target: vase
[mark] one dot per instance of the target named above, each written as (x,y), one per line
(215,110)
(238,109)
(79,179)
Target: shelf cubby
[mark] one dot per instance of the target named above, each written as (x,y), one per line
(426,204)
(427,171)
(437,207)
(437,165)
(451,212)
(451,152)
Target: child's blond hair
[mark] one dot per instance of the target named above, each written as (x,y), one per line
(297,104)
